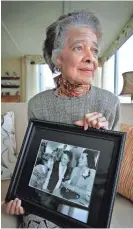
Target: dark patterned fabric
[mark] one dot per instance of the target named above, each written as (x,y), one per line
(34,221)
(65,88)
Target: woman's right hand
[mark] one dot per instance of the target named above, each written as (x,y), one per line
(14,207)
(95,120)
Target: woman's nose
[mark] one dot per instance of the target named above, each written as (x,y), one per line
(88,57)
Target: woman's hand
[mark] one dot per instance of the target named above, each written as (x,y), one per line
(14,207)
(95,120)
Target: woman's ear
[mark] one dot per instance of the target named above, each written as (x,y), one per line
(58,62)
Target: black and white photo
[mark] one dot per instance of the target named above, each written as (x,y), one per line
(65,171)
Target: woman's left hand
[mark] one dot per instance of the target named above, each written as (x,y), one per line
(95,120)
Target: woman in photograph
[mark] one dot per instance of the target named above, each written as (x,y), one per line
(72,46)
(60,152)
(82,177)
(80,183)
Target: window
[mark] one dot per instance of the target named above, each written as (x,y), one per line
(45,78)
(109,75)
(125,64)
(97,77)
(120,62)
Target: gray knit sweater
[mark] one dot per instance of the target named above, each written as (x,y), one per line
(51,107)
(48,106)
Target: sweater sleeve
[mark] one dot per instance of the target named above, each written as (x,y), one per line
(117,116)
(30,111)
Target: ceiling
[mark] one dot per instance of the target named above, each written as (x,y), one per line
(24,23)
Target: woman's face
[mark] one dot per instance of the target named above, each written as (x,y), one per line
(64,159)
(78,60)
(83,160)
(54,153)
(46,156)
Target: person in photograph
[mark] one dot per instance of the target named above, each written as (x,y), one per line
(43,167)
(72,46)
(82,177)
(42,154)
(43,146)
(60,152)
(79,187)
(53,159)
(61,171)
(76,152)
(41,171)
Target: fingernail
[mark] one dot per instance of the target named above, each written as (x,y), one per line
(85,127)
(16,198)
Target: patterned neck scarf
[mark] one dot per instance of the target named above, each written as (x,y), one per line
(64,88)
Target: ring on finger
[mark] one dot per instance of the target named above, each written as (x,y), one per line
(98,119)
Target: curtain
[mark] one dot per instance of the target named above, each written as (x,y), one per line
(97,78)
(31,80)
(107,75)
(104,81)
(38,76)
(45,78)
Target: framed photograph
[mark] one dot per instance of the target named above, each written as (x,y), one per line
(67,175)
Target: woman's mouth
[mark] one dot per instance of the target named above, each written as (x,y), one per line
(87,69)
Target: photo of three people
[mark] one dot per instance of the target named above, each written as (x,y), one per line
(65,171)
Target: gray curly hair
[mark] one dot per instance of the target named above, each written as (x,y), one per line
(56,33)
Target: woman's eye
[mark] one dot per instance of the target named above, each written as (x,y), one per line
(79,48)
(95,51)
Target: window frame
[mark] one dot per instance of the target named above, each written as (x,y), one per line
(116,66)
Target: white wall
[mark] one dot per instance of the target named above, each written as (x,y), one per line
(24,25)
(126,114)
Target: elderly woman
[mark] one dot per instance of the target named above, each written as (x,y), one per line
(72,46)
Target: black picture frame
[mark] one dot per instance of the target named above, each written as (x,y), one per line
(111,146)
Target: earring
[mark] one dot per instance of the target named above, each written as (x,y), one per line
(56,70)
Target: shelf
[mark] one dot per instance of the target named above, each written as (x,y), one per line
(10,78)
(10,98)
(10,86)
